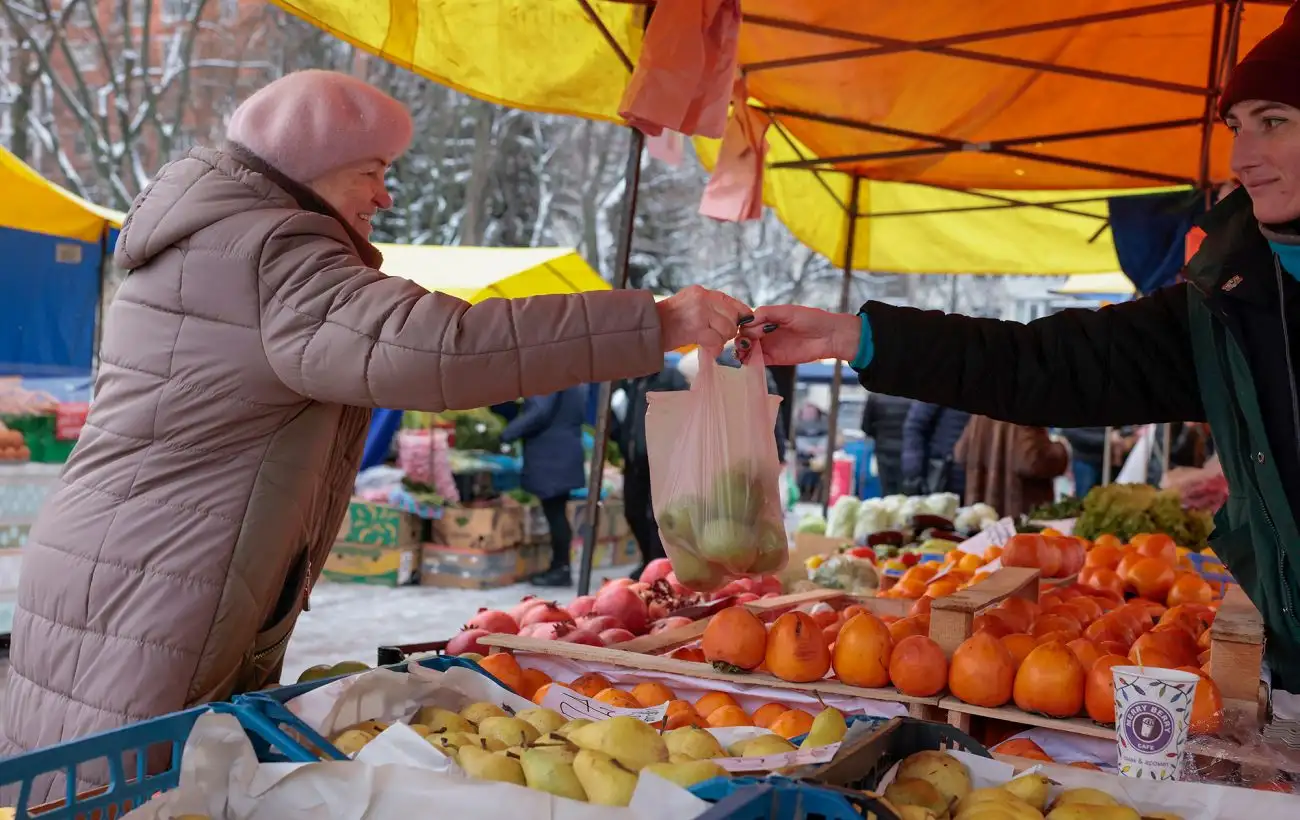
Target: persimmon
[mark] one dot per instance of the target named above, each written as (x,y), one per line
(1050,682)
(1154,608)
(795,649)
(1170,642)
(1087,605)
(1070,554)
(824,615)
(1126,564)
(652,694)
(792,723)
(1019,644)
(910,589)
(766,714)
(862,652)
(504,667)
(1203,642)
(917,667)
(1152,578)
(1050,558)
(1105,580)
(1140,615)
(1018,613)
(1113,648)
(676,720)
(1057,623)
(725,716)
(735,640)
(1086,651)
(619,698)
(1105,556)
(830,633)
(921,573)
(992,554)
(1156,545)
(540,694)
(1023,550)
(1083,764)
(1207,704)
(991,623)
(1048,637)
(1189,588)
(982,671)
(590,684)
(942,588)
(1049,600)
(691,654)
(904,628)
(713,700)
(849,611)
(1022,747)
(531,681)
(1107,539)
(1109,627)
(922,606)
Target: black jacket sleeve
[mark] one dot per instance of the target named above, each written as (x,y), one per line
(1124,364)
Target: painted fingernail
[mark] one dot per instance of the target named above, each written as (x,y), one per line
(769,328)
(744,320)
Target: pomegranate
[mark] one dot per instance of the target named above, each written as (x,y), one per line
(730,588)
(467,641)
(676,585)
(771,595)
(599,623)
(641,588)
(581,605)
(518,610)
(659,609)
(746,597)
(669,623)
(493,620)
(546,612)
(582,636)
(623,604)
(610,583)
(613,636)
(546,631)
(656,569)
(770,584)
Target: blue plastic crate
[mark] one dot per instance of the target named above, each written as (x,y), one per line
(280,737)
(779,798)
(126,789)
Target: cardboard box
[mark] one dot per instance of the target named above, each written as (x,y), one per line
(379,525)
(608,553)
(536,530)
(443,565)
(805,545)
(378,566)
(486,529)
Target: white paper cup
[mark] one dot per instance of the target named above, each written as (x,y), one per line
(1153,708)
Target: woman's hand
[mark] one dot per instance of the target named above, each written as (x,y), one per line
(791,334)
(699,316)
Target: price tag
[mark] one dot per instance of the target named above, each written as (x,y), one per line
(574,707)
(995,536)
(801,757)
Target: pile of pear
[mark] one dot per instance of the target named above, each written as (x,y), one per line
(936,786)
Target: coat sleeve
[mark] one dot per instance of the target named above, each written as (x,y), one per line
(1124,364)
(1036,455)
(917,428)
(335,330)
(536,414)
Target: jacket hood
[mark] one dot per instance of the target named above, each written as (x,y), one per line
(205,187)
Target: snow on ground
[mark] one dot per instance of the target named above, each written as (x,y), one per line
(349,622)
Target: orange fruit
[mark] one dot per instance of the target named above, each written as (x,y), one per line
(1025,550)
(904,628)
(990,622)
(1157,647)
(796,651)
(1086,651)
(1152,578)
(505,668)
(918,667)
(1022,747)
(590,684)
(792,723)
(982,671)
(684,717)
(1105,556)
(713,700)
(1126,564)
(1157,545)
(1057,623)
(1019,644)
(862,651)
(619,698)
(1083,764)
(767,714)
(532,680)
(540,694)
(652,694)
(735,640)
(1050,682)
(728,716)
(1099,688)
(921,607)
(1087,605)
(1207,705)
(1190,588)
(1105,580)
(1018,613)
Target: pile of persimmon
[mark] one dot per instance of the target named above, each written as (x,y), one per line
(1055,556)
(1149,567)
(960,570)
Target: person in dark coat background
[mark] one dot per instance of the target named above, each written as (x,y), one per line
(550,428)
(930,434)
(882,421)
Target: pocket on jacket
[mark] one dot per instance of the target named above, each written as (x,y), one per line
(267,654)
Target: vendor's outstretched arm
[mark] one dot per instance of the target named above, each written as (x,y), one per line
(1124,364)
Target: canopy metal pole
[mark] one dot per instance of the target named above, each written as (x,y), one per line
(1107,458)
(851,215)
(622,258)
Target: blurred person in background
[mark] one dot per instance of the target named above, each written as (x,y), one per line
(1088,454)
(240,360)
(1009,466)
(930,434)
(882,421)
(550,428)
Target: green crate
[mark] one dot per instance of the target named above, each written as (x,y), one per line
(379,525)
(38,433)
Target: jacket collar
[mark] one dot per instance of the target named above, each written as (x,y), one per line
(1234,257)
(306,198)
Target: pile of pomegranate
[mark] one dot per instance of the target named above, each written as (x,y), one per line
(620,610)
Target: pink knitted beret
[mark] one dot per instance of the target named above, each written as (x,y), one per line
(308,123)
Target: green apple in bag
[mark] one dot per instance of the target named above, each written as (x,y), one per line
(736,495)
(681,519)
(772,549)
(693,571)
(729,543)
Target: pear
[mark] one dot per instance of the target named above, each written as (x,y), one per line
(508,730)
(1085,811)
(572,726)
(693,743)
(773,550)
(689,773)
(351,741)
(945,772)
(678,522)
(693,571)
(420,729)
(552,739)
(549,773)
(1162,815)
(449,743)
(909,791)
(543,720)
(917,813)
(566,752)
(475,713)
(737,496)
(487,765)
(632,743)
(827,728)
(1006,805)
(473,656)
(1031,788)
(761,746)
(439,720)
(604,779)
(1090,797)
(729,543)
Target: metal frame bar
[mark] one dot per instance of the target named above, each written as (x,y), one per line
(837,376)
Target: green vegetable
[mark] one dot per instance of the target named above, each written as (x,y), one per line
(1069,507)
(812,523)
(1125,510)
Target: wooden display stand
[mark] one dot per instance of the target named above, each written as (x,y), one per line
(1236,657)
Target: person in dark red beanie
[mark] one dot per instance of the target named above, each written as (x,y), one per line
(1221,347)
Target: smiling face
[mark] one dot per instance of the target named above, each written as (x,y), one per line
(1266,157)
(357,191)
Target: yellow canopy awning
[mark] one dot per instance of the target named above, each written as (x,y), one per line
(475,274)
(1100,284)
(32,203)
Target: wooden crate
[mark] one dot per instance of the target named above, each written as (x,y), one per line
(952,617)
(1236,658)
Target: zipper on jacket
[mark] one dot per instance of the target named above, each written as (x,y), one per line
(306,585)
(1287,605)
(257,656)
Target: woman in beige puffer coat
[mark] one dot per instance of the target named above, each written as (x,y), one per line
(239,363)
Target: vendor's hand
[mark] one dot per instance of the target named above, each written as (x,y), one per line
(791,334)
(699,316)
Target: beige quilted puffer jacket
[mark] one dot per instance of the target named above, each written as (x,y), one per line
(239,362)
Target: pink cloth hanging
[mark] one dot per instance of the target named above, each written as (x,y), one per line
(688,62)
(735,190)
(667,147)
